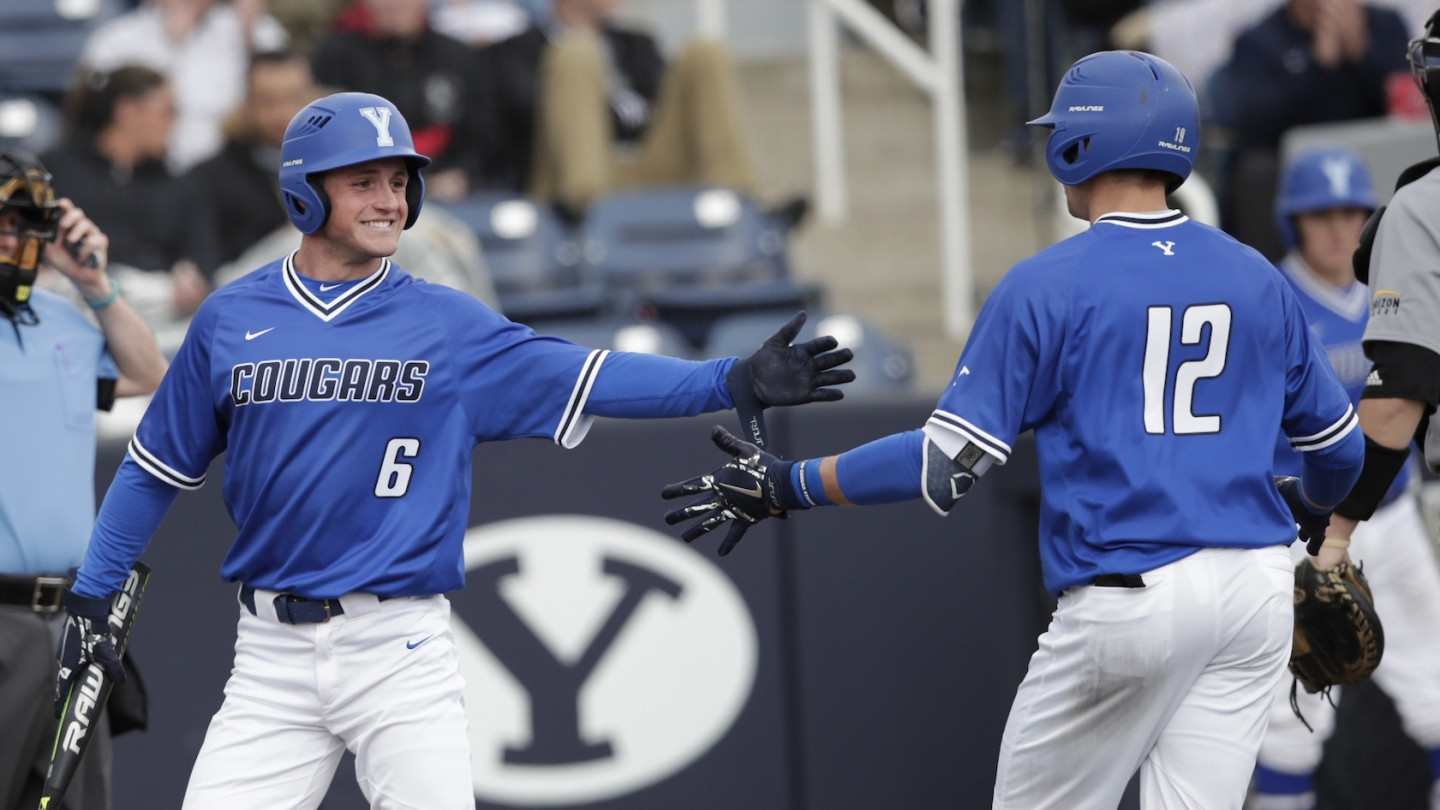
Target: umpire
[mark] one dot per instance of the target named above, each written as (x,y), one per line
(56,368)
(1400,251)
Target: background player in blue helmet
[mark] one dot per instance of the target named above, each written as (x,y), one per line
(56,368)
(347,398)
(1325,197)
(1156,359)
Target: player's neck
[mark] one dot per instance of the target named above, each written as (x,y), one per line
(319,259)
(1103,195)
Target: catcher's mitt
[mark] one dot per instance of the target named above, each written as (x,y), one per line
(1338,637)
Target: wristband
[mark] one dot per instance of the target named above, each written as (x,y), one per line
(101,303)
(1382,464)
(1336,542)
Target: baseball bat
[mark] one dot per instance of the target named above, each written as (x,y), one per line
(89,692)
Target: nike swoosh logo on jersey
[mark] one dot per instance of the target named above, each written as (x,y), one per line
(252,335)
(329,287)
(754,493)
(410,645)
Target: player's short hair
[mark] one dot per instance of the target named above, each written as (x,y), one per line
(1321,180)
(343,129)
(1122,110)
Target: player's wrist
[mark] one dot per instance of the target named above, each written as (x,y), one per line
(102,295)
(88,607)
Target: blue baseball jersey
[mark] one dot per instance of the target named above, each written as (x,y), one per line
(1155,358)
(1337,318)
(48,394)
(348,422)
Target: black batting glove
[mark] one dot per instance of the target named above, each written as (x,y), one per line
(780,373)
(1311,524)
(752,487)
(86,639)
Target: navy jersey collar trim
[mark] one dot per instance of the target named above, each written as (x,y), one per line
(1159,219)
(326,311)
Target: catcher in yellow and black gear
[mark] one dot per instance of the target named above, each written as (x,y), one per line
(1338,637)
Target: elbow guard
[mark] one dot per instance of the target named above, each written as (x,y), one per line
(1382,464)
(946,480)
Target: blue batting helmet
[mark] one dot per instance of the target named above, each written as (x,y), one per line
(342,130)
(1122,110)
(1318,181)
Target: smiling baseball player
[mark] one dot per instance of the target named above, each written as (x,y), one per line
(347,397)
(1156,359)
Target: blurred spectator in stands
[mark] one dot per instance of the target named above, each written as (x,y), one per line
(203,48)
(112,164)
(582,106)
(307,22)
(1308,62)
(390,49)
(233,198)
(478,23)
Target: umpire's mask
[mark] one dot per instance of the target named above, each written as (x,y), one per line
(29,213)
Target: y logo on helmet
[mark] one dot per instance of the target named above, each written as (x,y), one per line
(379,117)
(601,657)
(1337,171)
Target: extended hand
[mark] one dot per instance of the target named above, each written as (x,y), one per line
(85,639)
(785,374)
(746,490)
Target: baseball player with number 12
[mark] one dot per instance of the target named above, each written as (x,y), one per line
(347,397)
(1156,359)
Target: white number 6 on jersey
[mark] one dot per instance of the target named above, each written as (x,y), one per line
(395,474)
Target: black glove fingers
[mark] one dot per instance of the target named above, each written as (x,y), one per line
(830,360)
(704,526)
(818,346)
(732,444)
(787,332)
(826,395)
(704,483)
(737,531)
(836,377)
(694,510)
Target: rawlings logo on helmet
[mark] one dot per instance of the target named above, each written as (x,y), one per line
(1121,110)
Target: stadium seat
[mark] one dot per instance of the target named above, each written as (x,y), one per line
(693,311)
(646,240)
(41,40)
(29,122)
(619,334)
(882,367)
(534,260)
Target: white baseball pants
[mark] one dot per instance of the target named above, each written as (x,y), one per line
(382,680)
(1173,679)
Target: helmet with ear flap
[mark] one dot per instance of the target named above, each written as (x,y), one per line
(343,129)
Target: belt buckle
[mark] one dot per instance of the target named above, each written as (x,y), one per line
(37,597)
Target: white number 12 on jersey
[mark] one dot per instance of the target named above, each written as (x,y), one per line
(1157,363)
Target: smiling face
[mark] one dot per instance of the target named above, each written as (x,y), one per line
(367,210)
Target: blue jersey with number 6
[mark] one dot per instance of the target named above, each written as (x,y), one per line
(387,387)
(1155,358)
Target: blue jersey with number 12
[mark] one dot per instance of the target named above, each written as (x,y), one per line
(1155,358)
(348,423)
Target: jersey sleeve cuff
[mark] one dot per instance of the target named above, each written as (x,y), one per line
(149,463)
(575,423)
(1330,435)
(950,434)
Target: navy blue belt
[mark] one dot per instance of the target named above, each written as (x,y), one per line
(292,609)
(40,594)
(1119,581)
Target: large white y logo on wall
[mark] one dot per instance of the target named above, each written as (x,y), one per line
(604,658)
